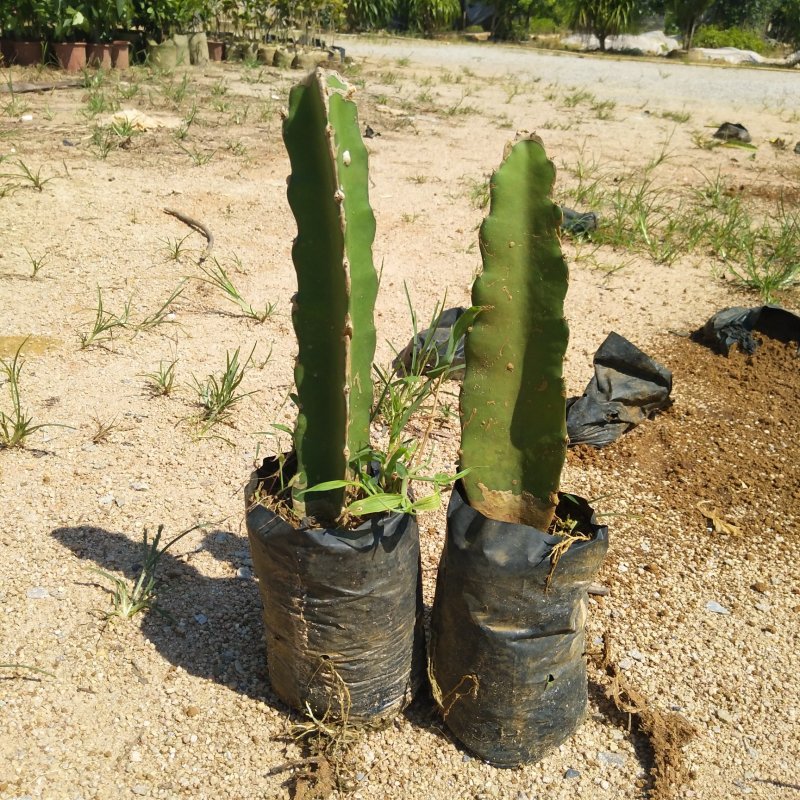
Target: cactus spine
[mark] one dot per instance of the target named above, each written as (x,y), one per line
(514,434)
(337,284)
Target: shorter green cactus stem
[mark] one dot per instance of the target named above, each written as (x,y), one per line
(513,401)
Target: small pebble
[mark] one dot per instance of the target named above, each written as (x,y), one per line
(760,586)
(39,593)
(192,711)
(106,499)
(200,619)
(625,663)
(611,759)
(637,656)
(140,789)
(572,773)
(244,573)
(140,486)
(724,716)
(598,589)
(466,758)
(716,608)
(763,607)
(136,755)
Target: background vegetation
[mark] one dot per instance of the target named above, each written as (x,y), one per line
(740,23)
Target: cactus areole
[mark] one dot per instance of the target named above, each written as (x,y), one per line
(336,285)
(514,436)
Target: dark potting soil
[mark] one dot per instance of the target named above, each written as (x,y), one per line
(730,443)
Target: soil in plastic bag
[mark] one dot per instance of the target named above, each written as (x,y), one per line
(342,611)
(507,651)
(738,326)
(627,387)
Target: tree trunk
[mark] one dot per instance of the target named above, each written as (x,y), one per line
(601,37)
(691,27)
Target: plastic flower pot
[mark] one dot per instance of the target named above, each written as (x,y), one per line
(99,55)
(216,50)
(71,56)
(120,54)
(25,54)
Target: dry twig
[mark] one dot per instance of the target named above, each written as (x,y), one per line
(195,225)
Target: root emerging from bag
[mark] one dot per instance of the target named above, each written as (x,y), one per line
(667,732)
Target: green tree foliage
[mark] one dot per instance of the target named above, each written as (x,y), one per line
(688,15)
(603,18)
(431,16)
(753,14)
(365,15)
(786,22)
(512,18)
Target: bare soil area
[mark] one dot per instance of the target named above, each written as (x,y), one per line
(702,501)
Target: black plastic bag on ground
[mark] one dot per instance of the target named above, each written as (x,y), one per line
(342,611)
(578,223)
(736,326)
(507,651)
(732,132)
(627,387)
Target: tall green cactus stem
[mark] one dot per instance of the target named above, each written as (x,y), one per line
(337,285)
(514,435)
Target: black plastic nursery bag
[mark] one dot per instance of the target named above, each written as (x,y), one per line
(507,655)
(342,612)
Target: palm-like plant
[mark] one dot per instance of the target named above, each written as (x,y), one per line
(688,15)
(603,18)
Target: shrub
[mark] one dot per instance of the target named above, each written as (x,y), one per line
(432,16)
(786,22)
(363,15)
(741,38)
(543,25)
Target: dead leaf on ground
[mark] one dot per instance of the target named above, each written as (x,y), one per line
(717,522)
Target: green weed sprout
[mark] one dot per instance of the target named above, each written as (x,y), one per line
(17,426)
(128,600)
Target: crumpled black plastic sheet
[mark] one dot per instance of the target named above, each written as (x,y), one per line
(578,223)
(628,387)
(737,326)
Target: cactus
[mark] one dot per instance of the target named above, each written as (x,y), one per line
(514,434)
(333,309)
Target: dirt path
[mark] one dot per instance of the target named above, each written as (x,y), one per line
(658,81)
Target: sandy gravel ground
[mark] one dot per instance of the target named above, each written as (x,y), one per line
(181,706)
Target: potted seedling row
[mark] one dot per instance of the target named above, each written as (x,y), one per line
(507,641)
